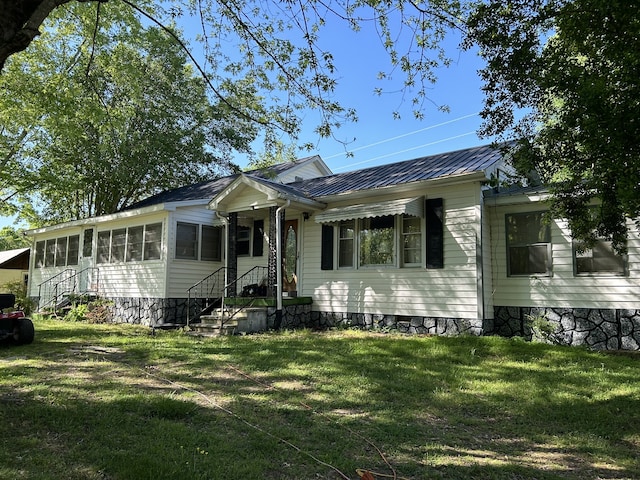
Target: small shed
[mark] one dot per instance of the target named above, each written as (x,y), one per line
(14,267)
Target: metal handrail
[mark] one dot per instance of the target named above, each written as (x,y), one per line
(251,283)
(54,283)
(212,286)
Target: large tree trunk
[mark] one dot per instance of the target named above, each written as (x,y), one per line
(20,21)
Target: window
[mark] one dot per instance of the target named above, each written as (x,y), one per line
(73,250)
(528,244)
(50,253)
(411,241)
(243,240)
(57,252)
(152,241)
(39,261)
(377,242)
(87,243)
(326,262)
(134,243)
(211,243)
(104,242)
(61,252)
(599,260)
(187,241)
(118,244)
(346,240)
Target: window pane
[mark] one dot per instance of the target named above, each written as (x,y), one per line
(528,260)
(528,244)
(345,243)
(411,240)
(152,241)
(39,262)
(187,241)
(104,240)
(377,241)
(134,243)
(243,238)
(50,254)
(211,243)
(73,250)
(87,243)
(118,242)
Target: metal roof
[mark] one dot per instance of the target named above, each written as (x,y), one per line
(459,162)
(471,160)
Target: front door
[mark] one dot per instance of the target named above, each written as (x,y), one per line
(290,256)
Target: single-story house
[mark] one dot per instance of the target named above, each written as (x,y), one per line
(429,245)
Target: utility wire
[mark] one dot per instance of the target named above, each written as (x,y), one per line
(403,135)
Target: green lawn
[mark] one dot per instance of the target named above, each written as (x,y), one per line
(114,402)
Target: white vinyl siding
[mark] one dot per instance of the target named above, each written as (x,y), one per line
(448,292)
(563,288)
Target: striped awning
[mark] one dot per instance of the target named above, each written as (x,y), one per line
(404,206)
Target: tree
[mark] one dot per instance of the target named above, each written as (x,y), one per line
(562,81)
(107,123)
(276,47)
(11,239)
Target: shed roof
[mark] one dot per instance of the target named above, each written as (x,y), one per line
(17,259)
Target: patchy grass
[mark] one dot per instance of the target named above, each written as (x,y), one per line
(114,402)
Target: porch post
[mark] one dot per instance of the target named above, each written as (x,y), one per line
(272,262)
(232,259)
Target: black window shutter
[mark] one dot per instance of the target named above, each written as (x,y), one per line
(258,237)
(434,216)
(326,261)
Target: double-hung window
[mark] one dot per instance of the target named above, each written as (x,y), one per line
(187,241)
(528,244)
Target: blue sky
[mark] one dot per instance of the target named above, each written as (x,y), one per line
(379,138)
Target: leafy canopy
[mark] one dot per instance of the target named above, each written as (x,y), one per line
(94,125)
(562,79)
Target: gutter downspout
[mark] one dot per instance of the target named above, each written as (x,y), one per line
(279,263)
(225,222)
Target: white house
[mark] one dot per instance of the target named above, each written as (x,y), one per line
(423,246)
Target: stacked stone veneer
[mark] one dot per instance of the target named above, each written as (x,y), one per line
(149,311)
(600,329)
(301,316)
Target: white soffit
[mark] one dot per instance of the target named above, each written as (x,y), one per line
(406,206)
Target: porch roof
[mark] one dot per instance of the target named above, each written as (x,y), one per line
(408,206)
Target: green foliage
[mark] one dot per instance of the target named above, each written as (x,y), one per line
(94,126)
(562,79)
(23,301)
(77,313)
(11,239)
(90,311)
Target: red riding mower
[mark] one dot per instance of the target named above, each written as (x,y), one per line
(14,326)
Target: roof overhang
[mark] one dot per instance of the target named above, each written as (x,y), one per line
(404,206)
(103,218)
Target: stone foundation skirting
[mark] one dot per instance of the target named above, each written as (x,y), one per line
(599,329)
(154,312)
(403,324)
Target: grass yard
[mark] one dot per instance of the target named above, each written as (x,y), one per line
(114,402)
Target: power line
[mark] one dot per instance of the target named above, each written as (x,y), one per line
(403,135)
(404,151)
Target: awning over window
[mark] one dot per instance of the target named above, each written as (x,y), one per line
(408,206)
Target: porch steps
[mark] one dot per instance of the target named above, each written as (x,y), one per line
(248,320)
